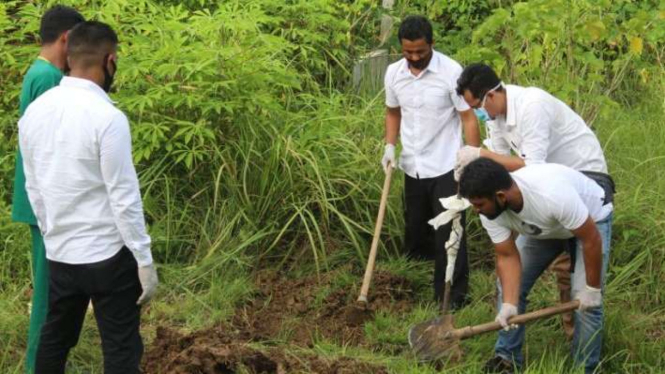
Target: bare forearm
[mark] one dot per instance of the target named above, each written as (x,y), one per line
(393,119)
(471,128)
(509,270)
(511,163)
(593,258)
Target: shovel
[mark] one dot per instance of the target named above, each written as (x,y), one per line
(426,334)
(356,315)
(438,338)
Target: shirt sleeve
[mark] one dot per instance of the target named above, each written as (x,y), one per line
(498,143)
(498,233)
(122,186)
(536,124)
(34,196)
(391,96)
(458,101)
(567,207)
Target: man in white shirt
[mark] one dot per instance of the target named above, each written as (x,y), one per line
(548,205)
(426,113)
(537,128)
(84,190)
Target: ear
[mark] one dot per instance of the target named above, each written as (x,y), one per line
(64,37)
(501,196)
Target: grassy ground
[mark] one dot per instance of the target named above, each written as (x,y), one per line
(198,296)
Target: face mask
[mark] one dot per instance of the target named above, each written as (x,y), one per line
(108,78)
(482,114)
(498,209)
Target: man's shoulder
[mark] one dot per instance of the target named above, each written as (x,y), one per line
(395,66)
(40,71)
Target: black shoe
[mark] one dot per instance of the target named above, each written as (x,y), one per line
(497,365)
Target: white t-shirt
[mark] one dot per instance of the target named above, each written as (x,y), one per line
(430,131)
(557,199)
(540,129)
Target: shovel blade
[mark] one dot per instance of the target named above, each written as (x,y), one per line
(432,340)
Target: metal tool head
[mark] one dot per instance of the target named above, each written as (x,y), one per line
(434,340)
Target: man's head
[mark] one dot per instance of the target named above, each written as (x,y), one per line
(482,89)
(56,22)
(91,52)
(415,36)
(486,183)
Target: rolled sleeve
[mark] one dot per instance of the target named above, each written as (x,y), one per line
(536,126)
(497,233)
(123,188)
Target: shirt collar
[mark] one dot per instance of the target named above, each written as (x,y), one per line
(433,65)
(87,85)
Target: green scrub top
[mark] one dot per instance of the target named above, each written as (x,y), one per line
(41,77)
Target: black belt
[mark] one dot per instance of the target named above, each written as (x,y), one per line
(606,182)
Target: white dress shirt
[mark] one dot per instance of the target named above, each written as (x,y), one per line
(540,128)
(431,128)
(557,199)
(80,177)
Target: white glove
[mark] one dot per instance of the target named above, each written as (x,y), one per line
(590,297)
(149,281)
(465,156)
(388,156)
(507,310)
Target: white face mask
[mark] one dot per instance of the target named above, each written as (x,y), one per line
(481,111)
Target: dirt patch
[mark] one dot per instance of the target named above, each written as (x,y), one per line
(297,311)
(218,351)
(283,312)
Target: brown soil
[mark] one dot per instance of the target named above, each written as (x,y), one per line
(287,309)
(291,311)
(217,352)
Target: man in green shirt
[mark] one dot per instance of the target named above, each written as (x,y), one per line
(44,74)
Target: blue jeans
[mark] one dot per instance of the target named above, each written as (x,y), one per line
(536,255)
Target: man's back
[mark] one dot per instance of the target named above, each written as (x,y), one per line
(61,139)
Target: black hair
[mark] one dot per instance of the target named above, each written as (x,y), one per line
(90,41)
(484,177)
(478,78)
(414,28)
(56,21)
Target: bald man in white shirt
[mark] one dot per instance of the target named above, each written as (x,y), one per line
(425,113)
(82,185)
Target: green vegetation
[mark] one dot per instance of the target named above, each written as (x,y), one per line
(254,153)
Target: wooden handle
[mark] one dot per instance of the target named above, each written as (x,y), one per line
(469,331)
(377,234)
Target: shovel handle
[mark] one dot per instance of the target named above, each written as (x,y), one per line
(469,331)
(377,234)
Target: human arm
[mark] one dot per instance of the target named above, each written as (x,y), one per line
(471,128)
(122,187)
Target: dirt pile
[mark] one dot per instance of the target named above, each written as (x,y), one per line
(296,311)
(217,351)
(283,312)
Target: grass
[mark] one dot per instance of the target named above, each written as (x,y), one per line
(205,290)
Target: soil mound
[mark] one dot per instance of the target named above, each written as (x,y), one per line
(218,352)
(295,310)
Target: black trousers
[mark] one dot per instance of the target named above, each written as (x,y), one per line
(421,203)
(113,286)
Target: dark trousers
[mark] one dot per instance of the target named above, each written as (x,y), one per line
(421,203)
(113,286)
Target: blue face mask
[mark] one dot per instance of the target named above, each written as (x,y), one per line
(482,114)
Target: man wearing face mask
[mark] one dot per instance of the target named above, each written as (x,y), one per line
(44,74)
(537,128)
(549,205)
(428,116)
(85,193)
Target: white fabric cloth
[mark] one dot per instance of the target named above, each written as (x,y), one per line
(80,178)
(557,199)
(540,128)
(430,130)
